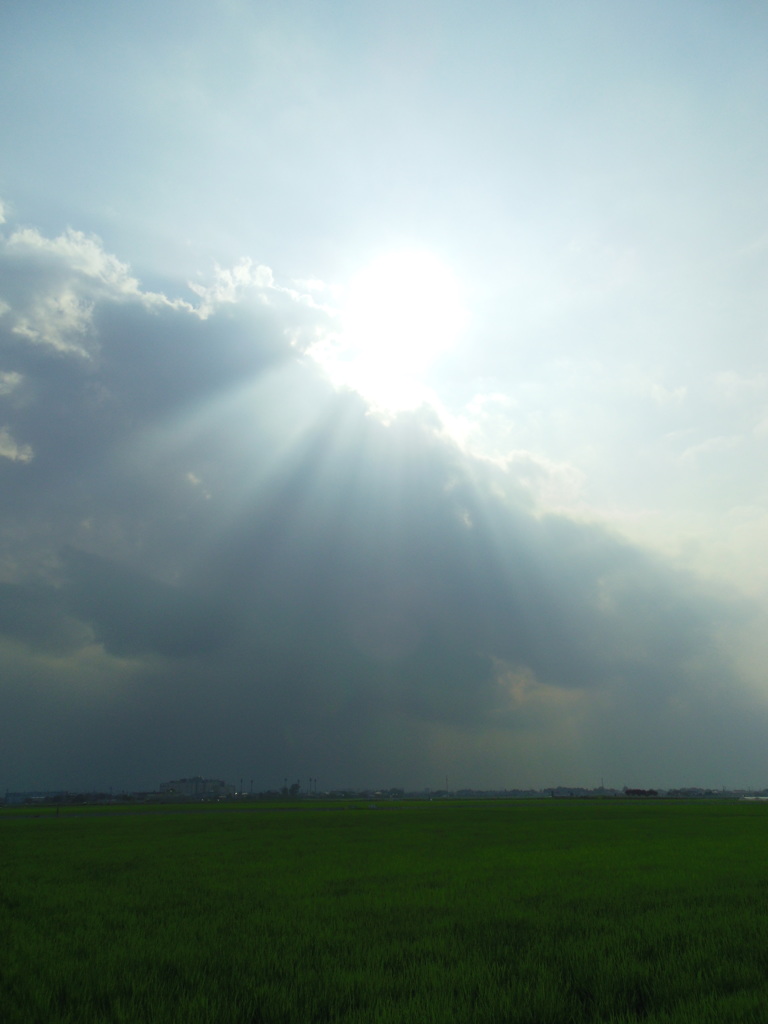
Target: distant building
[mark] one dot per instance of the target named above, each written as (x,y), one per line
(197,788)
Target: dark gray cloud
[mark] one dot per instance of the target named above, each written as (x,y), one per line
(213,563)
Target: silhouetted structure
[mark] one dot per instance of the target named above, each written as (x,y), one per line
(197,788)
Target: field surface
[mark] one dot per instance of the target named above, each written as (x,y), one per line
(538,911)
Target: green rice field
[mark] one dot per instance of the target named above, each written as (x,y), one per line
(530,911)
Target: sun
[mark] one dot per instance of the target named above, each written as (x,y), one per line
(398,315)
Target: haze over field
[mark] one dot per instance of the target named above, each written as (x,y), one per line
(383,393)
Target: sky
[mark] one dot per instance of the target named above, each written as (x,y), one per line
(383,393)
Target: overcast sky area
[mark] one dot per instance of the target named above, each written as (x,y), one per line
(383,393)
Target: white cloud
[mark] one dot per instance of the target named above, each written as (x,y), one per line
(736,387)
(57,282)
(303,327)
(9,382)
(61,320)
(712,446)
(553,485)
(663,395)
(232,284)
(11,449)
(81,254)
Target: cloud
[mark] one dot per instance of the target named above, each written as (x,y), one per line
(228,567)
(711,446)
(51,285)
(11,449)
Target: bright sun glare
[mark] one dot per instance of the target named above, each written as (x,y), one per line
(398,315)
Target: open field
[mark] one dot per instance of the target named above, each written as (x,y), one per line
(523,911)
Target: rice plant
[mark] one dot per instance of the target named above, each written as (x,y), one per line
(521,911)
